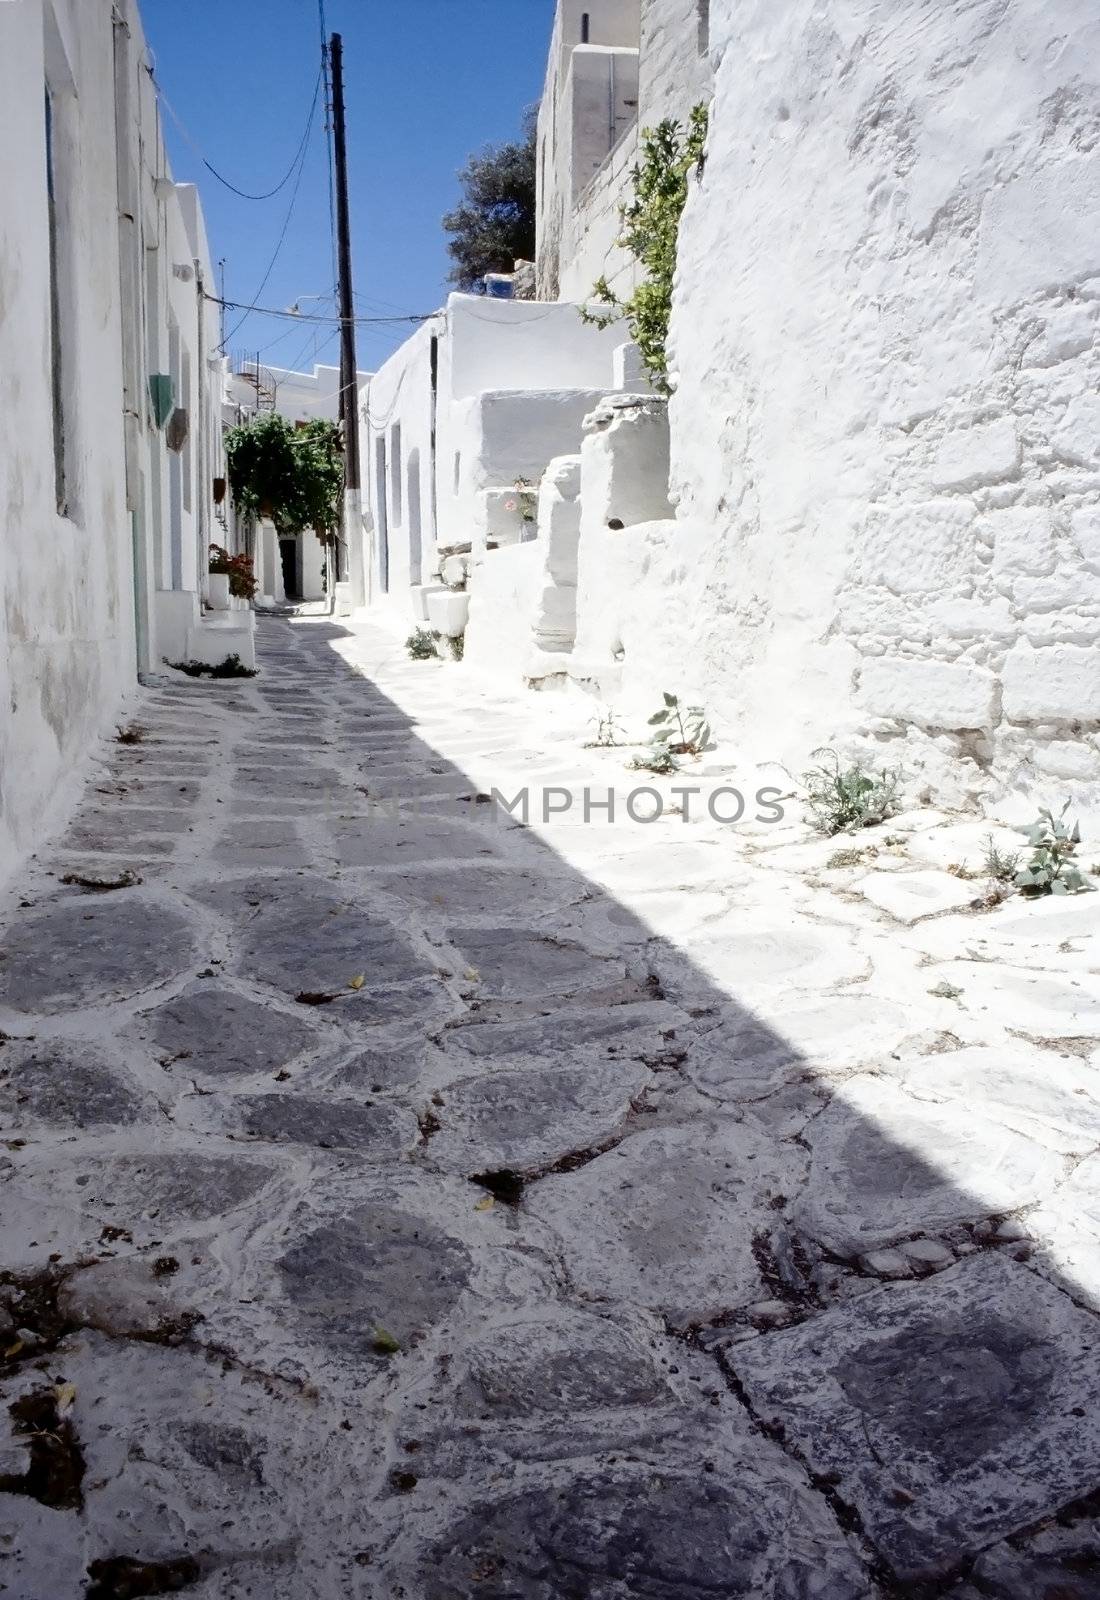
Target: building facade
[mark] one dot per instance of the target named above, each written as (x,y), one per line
(615,68)
(109,408)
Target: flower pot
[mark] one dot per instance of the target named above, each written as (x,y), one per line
(217,591)
(448,611)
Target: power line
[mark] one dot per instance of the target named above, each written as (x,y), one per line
(304,316)
(302,153)
(243,193)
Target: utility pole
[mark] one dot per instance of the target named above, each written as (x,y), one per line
(349,393)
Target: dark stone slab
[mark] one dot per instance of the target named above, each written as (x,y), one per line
(317,943)
(379,1268)
(371,1129)
(85,951)
(518,963)
(949,1413)
(64,1085)
(637,1534)
(215,1030)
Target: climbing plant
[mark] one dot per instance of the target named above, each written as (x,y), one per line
(294,475)
(651,228)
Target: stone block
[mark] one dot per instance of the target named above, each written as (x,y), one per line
(923,548)
(1023,540)
(1055,684)
(933,694)
(1086,533)
(1077,437)
(967,458)
(911,896)
(948,1413)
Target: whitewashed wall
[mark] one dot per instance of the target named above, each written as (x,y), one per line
(514,380)
(66,629)
(886,430)
(79,585)
(661,68)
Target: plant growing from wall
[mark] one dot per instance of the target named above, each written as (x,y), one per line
(1052,869)
(294,475)
(242,579)
(651,231)
(524,503)
(842,799)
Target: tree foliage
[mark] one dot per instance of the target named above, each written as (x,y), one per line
(294,475)
(494,226)
(651,230)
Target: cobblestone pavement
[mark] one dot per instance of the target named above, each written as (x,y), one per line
(404,1202)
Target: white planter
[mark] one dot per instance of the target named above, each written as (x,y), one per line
(418,595)
(447,612)
(217,591)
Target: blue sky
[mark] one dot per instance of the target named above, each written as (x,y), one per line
(428,82)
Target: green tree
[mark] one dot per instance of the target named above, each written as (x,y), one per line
(494,226)
(651,231)
(294,475)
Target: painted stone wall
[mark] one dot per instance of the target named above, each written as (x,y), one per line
(592,110)
(66,629)
(886,430)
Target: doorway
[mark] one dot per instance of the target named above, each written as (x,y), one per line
(412,510)
(288,554)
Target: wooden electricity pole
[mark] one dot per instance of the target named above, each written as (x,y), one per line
(349,391)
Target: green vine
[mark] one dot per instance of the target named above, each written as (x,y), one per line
(294,475)
(651,228)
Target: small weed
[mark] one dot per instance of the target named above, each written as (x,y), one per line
(1000,865)
(1052,869)
(846,858)
(843,799)
(959,869)
(684,730)
(945,991)
(654,758)
(421,645)
(607,730)
(231,667)
(457,643)
(129,735)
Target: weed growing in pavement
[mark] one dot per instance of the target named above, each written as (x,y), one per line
(231,667)
(1052,869)
(421,645)
(842,799)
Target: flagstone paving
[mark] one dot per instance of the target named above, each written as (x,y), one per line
(404,1200)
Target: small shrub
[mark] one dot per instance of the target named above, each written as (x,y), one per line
(1052,869)
(457,643)
(129,735)
(231,667)
(421,645)
(842,799)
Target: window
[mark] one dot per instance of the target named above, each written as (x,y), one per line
(585,27)
(57,376)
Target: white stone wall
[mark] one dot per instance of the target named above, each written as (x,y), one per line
(886,426)
(79,583)
(585,159)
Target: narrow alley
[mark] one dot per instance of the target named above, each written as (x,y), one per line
(404,1201)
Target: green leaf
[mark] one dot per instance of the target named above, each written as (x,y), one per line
(658,716)
(384,1343)
(670,699)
